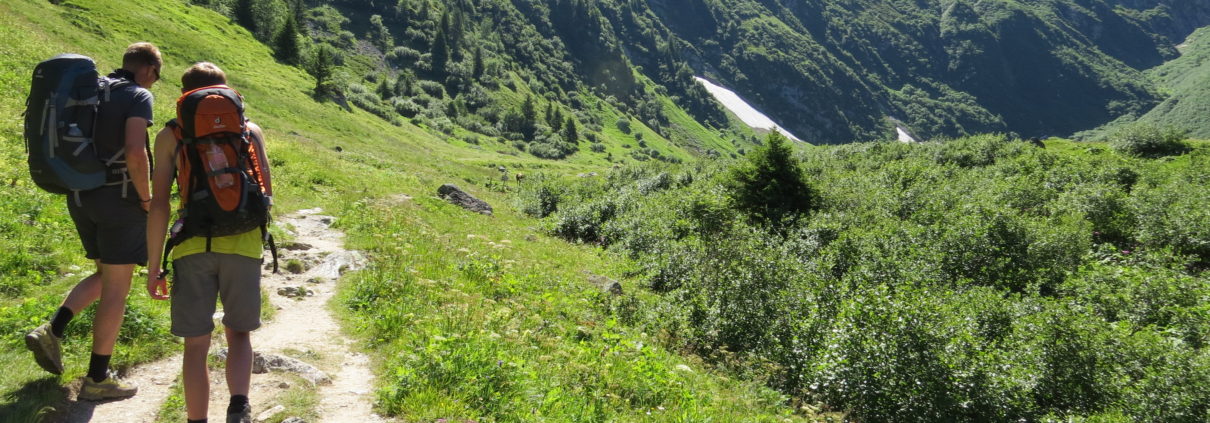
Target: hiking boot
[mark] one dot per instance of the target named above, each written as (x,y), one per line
(109,388)
(45,346)
(243,416)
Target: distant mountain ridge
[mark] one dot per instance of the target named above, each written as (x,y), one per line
(830,71)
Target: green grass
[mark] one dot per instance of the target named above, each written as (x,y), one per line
(624,375)
(1185,82)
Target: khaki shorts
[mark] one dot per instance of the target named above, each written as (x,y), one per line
(202,278)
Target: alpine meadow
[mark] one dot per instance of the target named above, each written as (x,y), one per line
(973,210)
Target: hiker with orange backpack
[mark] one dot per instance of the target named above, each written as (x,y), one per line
(87,138)
(216,157)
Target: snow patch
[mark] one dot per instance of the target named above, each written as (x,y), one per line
(903,135)
(746,113)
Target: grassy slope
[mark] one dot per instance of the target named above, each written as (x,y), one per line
(425,235)
(1186,82)
(1187,79)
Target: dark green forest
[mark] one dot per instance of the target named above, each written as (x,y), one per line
(830,71)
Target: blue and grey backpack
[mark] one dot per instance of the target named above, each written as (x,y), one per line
(60,114)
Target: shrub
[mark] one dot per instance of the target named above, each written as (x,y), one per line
(623,125)
(432,88)
(1147,140)
(406,107)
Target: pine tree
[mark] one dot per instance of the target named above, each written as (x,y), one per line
(770,186)
(440,52)
(321,69)
(289,50)
(244,14)
(529,118)
(385,90)
(570,133)
(403,85)
(477,66)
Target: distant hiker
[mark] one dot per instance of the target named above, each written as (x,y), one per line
(216,157)
(1036,142)
(108,204)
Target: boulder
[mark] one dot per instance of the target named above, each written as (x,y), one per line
(459,197)
(607,285)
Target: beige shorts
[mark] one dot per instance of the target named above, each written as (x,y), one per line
(202,278)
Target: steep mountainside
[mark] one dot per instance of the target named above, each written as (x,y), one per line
(831,71)
(1186,80)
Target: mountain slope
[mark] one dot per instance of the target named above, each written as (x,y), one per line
(411,241)
(1187,80)
(831,71)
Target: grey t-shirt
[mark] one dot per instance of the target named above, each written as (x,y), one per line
(125,102)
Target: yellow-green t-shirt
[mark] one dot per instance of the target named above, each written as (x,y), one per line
(247,244)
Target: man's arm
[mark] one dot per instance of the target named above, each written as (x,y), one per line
(158,215)
(137,164)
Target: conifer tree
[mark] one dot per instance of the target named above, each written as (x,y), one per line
(403,84)
(770,185)
(477,66)
(289,50)
(440,51)
(529,118)
(570,133)
(321,68)
(244,14)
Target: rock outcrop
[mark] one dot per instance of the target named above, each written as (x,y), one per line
(461,198)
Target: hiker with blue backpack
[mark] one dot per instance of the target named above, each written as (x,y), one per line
(87,138)
(216,158)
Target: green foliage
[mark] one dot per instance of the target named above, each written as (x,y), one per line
(770,187)
(1145,140)
(980,279)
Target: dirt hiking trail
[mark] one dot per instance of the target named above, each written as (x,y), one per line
(302,338)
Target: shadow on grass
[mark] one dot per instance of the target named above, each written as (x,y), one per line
(37,401)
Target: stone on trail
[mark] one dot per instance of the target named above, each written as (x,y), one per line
(294,420)
(294,292)
(462,199)
(296,246)
(336,264)
(270,413)
(265,363)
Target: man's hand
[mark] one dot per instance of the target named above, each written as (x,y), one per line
(157,287)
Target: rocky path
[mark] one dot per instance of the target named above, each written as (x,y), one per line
(303,337)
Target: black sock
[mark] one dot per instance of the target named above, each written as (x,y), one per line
(58,322)
(195,421)
(98,367)
(238,402)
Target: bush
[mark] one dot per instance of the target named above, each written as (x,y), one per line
(623,125)
(406,107)
(553,149)
(1147,140)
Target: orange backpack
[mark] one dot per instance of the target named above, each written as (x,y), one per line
(220,176)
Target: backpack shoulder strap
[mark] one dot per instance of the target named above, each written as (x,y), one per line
(108,85)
